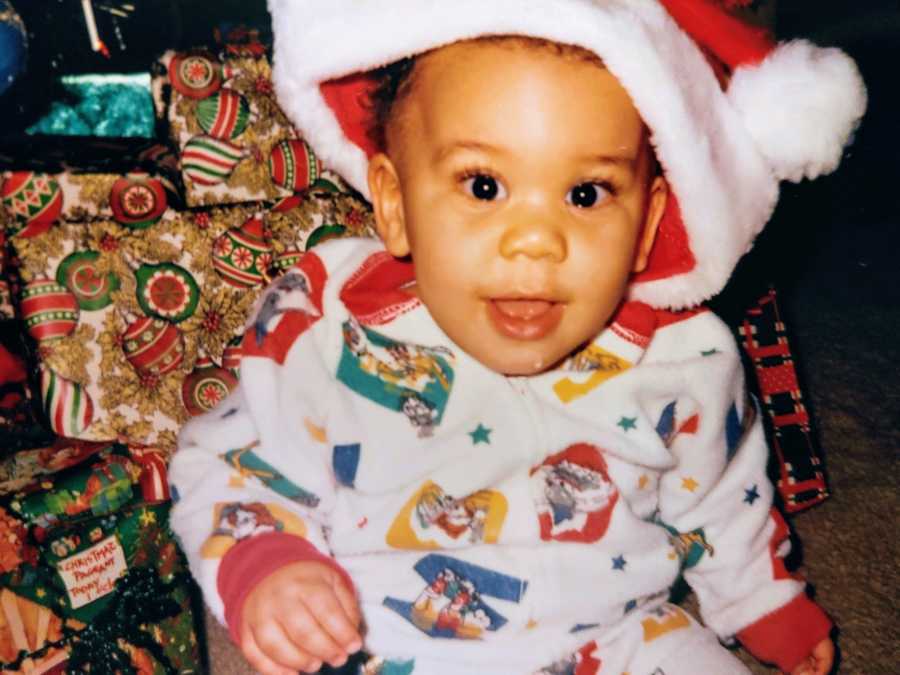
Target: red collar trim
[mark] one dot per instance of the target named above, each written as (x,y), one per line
(374,293)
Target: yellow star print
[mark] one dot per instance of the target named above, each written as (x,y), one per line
(643,481)
(147,518)
(315,432)
(689,484)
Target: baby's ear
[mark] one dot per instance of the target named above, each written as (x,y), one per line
(658,194)
(387,203)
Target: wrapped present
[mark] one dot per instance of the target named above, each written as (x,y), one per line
(108,595)
(92,577)
(104,483)
(235,143)
(28,627)
(30,466)
(32,201)
(135,320)
(800,475)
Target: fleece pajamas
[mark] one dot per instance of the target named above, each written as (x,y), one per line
(492,524)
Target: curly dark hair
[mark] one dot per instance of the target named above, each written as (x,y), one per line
(392,82)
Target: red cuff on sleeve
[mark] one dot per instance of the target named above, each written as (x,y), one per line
(252,560)
(787,636)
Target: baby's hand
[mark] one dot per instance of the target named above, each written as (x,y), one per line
(819,662)
(297,618)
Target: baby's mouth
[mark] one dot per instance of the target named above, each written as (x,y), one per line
(523,308)
(524,318)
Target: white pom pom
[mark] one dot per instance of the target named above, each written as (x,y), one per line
(800,105)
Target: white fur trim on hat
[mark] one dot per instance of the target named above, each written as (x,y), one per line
(800,106)
(720,169)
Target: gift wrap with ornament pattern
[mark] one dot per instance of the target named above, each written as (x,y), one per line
(137,319)
(20,419)
(91,575)
(236,144)
(31,201)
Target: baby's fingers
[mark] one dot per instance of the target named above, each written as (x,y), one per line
(265,664)
(819,662)
(305,631)
(335,637)
(349,636)
(823,653)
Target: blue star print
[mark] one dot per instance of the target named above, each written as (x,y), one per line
(627,423)
(619,563)
(751,495)
(481,435)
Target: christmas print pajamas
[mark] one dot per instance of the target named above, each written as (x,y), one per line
(492,524)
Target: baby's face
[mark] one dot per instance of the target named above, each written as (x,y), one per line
(520,183)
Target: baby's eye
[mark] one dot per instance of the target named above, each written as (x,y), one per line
(484,187)
(586,195)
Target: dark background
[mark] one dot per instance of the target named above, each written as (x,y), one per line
(854,211)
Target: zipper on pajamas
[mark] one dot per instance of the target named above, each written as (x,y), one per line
(538,449)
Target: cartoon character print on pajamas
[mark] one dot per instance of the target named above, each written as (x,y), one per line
(249,465)
(433,519)
(582,662)
(601,365)
(664,620)
(289,307)
(407,378)
(574,495)
(236,521)
(452,603)
(690,547)
(290,292)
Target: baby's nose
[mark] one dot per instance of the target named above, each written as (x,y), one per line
(536,237)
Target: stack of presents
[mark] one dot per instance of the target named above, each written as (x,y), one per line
(122,306)
(123,300)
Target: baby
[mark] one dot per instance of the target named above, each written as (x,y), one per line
(485,442)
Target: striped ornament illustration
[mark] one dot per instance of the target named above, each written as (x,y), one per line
(50,310)
(293,165)
(34,200)
(153,346)
(242,256)
(209,161)
(154,480)
(224,115)
(68,406)
(287,259)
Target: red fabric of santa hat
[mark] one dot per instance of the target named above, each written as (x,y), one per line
(787,113)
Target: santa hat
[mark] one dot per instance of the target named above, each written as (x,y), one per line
(787,113)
